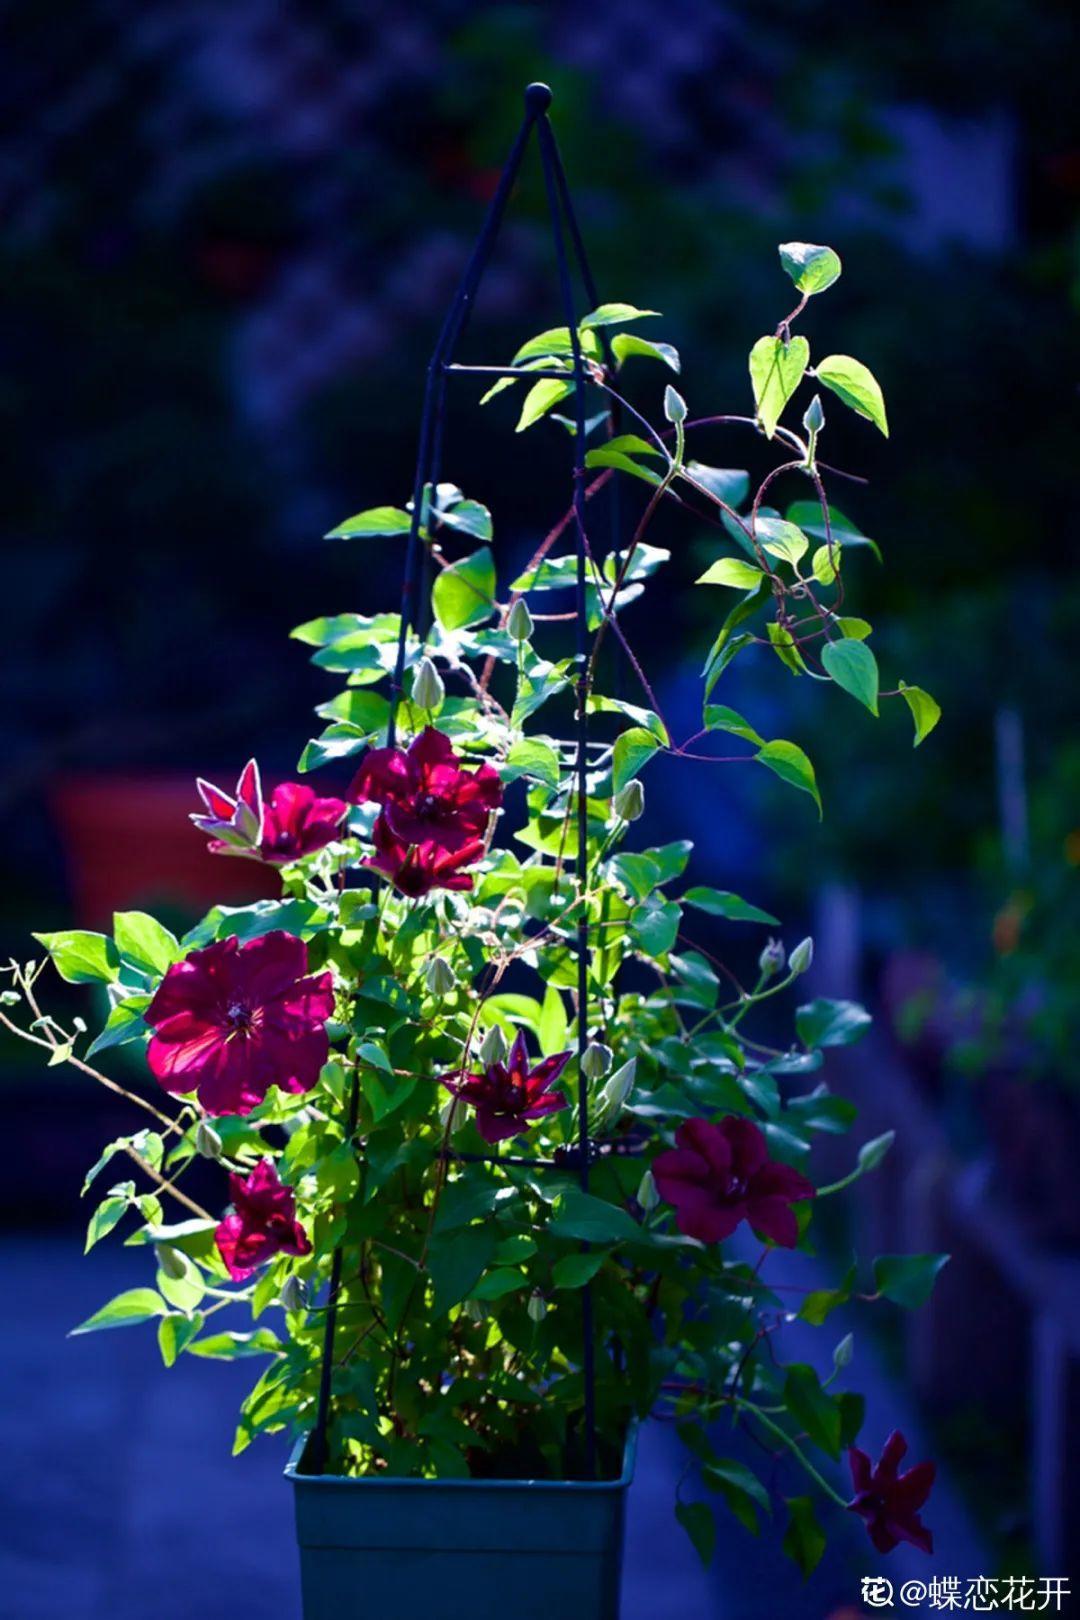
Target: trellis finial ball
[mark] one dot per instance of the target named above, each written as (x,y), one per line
(537,99)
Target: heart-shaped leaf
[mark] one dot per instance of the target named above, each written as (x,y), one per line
(856,385)
(925,710)
(776,370)
(811,268)
(853,666)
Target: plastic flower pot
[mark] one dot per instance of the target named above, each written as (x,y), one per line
(457,1549)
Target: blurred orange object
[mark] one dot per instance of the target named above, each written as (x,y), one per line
(129,846)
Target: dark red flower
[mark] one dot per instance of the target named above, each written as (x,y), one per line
(418,869)
(232,1020)
(509,1096)
(297,823)
(292,822)
(889,1502)
(425,795)
(263,1222)
(719,1175)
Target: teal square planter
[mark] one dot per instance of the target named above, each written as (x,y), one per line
(459,1549)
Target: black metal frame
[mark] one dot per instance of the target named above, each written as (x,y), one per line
(564,224)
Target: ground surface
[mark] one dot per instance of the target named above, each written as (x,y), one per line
(120,1502)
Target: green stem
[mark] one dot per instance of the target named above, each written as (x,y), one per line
(793,1446)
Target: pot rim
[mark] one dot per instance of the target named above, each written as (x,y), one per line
(385,1482)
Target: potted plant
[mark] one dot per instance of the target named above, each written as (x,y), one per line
(487,1119)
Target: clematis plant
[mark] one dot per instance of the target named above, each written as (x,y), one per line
(382,1064)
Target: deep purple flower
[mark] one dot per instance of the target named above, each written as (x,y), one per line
(292,822)
(232,1020)
(263,1222)
(425,795)
(719,1175)
(509,1096)
(419,868)
(889,1502)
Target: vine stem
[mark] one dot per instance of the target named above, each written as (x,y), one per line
(792,1445)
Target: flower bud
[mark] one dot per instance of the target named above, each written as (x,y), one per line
(674,405)
(802,956)
(439,977)
(596,1060)
(537,1306)
(647,1195)
(630,801)
(493,1046)
(428,690)
(171,1261)
(294,1294)
(519,624)
(207,1141)
(616,1093)
(814,416)
(772,959)
(9,998)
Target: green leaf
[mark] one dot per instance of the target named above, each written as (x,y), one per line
(626,344)
(468,517)
(821,1301)
(464,593)
(854,629)
(143,941)
(787,761)
(824,565)
(109,1213)
(697,1520)
(124,1023)
(727,484)
(555,341)
(718,717)
(599,704)
(908,1279)
(135,1305)
(853,666)
(786,648)
(457,1263)
(843,532)
(236,1346)
(575,1270)
(804,1539)
(540,399)
(781,539)
(856,385)
(727,645)
(82,958)
(719,903)
(633,751)
(497,1284)
(812,1408)
(175,1333)
(740,1488)
(925,710)
(742,576)
(615,315)
(377,520)
(605,456)
(535,759)
(655,925)
(776,370)
(552,1027)
(831,1023)
(811,268)
(593,1220)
